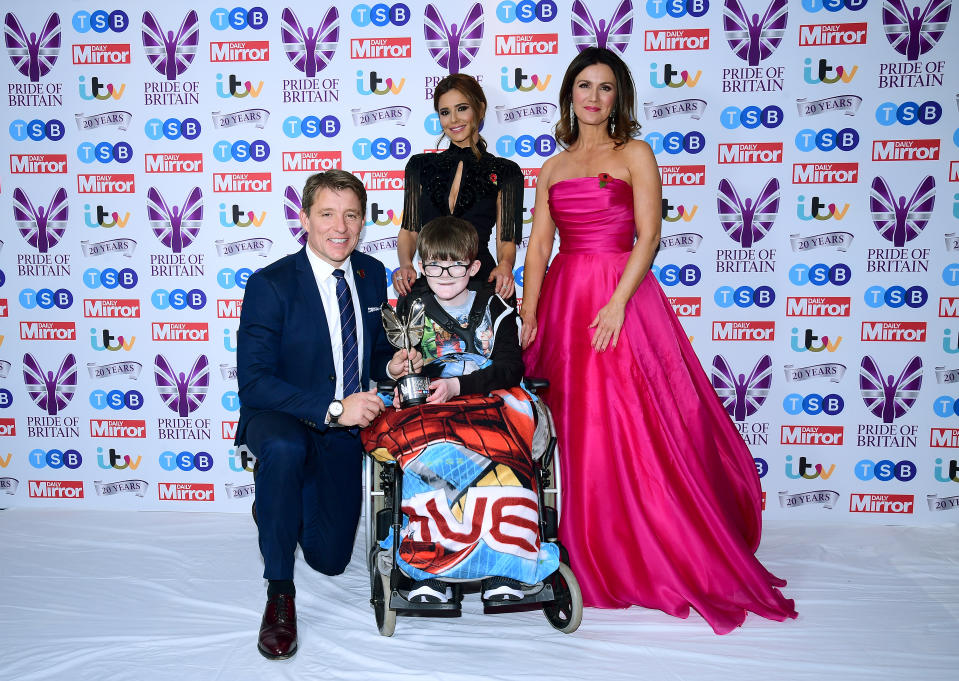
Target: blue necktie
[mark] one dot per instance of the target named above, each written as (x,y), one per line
(351,359)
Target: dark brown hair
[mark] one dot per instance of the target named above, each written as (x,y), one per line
(337,180)
(448,238)
(470,88)
(622,125)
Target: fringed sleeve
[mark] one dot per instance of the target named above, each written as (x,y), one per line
(510,185)
(412,194)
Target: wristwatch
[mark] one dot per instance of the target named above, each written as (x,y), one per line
(335,411)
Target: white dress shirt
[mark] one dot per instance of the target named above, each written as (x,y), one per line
(326,283)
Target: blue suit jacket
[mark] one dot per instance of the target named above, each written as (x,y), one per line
(284,354)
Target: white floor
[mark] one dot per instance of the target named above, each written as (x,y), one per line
(177,596)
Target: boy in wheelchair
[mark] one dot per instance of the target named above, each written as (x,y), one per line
(469,488)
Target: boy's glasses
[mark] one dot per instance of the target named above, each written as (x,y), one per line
(454,270)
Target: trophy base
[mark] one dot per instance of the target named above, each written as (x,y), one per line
(414,389)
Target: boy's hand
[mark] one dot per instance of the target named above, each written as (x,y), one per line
(443,390)
(398,366)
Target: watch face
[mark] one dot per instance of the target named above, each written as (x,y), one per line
(336,408)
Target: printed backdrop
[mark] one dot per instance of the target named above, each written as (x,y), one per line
(809,153)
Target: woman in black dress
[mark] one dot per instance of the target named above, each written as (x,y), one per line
(466,181)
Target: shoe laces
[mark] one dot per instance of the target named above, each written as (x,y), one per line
(283,602)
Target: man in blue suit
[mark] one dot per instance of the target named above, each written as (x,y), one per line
(310,336)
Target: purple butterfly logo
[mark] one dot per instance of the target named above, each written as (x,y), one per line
(32,55)
(170,54)
(291,208)
(183,393)
(310,50)
(901,221)
(50,392)
(913,34)
(613,34)
(455,47)
(754,38)
(41,227)
(176,228)
(746,221)
(742,396)
(887,398)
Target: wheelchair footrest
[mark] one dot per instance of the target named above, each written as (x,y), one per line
(544,595)
(399,603)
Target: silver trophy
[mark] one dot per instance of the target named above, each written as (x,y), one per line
(413,388)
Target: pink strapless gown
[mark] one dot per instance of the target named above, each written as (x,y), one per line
(662,503)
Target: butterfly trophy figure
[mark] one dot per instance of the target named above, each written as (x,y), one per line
(291,208)
(612,35)
(406,334)
(51,392)
(901,221)
(168,53)
(914,34)
(891,397)
(742,396)
(746,221)
(754,38)
(175,227)
(455,47)
(310,50)
(183,393)
(32,55)
(41,227)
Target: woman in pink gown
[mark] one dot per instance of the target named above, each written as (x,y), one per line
(661,497)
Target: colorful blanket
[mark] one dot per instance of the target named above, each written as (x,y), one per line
(469,490)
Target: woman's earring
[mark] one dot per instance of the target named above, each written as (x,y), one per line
(572,119)
(612,124)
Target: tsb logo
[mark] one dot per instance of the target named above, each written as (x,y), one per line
(173,128)
(239,18)
(657,9)
(104,152)
(676,142)
(670,275)
(896,296)
(380,14)
(109,278)
(744,296)
(100,21)
(46,299)
(186,461)
(751,117)
(526,11)
(827,139)
(526,146)
(311,126)
(55,458)
(381,148)
(813,404)
(241,150)
(885,470)
(116,399)
(37,130)
(820,274)
(909,113)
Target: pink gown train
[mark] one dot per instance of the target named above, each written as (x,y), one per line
(662,503)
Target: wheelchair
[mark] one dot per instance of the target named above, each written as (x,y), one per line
(558,595)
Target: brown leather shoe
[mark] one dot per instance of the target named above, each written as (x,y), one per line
(278,629)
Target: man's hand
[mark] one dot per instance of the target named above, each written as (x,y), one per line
(359,409)
(398,365)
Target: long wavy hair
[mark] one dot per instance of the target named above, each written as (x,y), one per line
(470,88)
(622,125)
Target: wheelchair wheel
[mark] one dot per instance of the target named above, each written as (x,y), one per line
(566,612)
(385,617)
